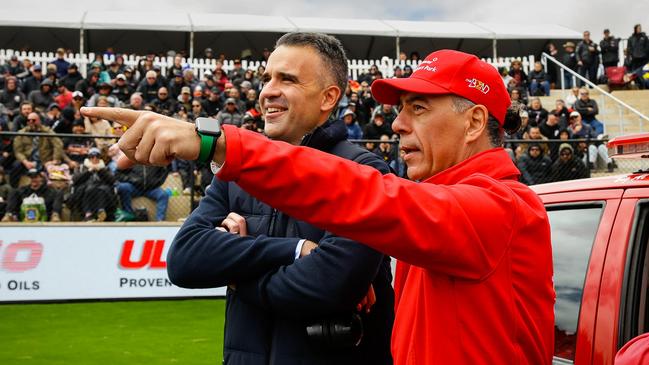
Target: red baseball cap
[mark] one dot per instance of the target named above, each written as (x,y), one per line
(450,72)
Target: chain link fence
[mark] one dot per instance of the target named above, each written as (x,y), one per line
(74,177)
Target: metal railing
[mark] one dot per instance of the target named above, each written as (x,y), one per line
(621,104)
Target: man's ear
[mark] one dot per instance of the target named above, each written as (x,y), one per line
(330,97)
(478,119)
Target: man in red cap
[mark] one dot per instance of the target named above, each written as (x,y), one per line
(474,277)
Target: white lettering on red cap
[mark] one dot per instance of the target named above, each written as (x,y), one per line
(479,85)
(424,65)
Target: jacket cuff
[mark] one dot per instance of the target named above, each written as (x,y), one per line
(231,167)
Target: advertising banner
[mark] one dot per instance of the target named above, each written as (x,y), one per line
(88,262)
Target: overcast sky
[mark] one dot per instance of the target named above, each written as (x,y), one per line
(594,15)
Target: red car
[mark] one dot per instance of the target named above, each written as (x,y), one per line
(600,232)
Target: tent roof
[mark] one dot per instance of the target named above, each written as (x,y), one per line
(218,22)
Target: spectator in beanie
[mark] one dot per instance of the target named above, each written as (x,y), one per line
(72,77)
(610,48)
(534,165)
(567,167)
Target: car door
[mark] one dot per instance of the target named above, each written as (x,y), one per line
(623,310)
(581,224)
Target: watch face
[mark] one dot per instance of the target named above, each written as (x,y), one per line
(208,126)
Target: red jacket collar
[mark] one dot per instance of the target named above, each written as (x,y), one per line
(494,163)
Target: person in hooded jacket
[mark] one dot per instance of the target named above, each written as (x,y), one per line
(637,48)
(534,165)
(42,98)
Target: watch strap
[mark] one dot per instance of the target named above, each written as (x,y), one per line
(208,145)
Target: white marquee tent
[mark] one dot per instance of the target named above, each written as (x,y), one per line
(141,32)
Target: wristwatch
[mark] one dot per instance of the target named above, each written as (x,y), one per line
(208,126)
(209,130)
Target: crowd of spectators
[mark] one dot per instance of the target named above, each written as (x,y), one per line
(80,172)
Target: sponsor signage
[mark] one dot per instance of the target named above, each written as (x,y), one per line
(88,262)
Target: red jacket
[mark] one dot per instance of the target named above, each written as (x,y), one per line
(474,277)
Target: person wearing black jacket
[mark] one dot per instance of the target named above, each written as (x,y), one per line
(11,98)
(534,165)
(34,81)
(610,48)
(587,58)
(72,78)
(569,60)
(285,275)
(539,81)
(93,189)
(377,128)
(143,181)
(567,166)
(637,48)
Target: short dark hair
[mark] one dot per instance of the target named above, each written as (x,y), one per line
(496,132)
(329,48)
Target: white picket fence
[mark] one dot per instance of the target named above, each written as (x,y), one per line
(201,66)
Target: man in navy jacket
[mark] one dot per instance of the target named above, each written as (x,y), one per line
(282,274)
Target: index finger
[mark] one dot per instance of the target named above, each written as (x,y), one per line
(123,116)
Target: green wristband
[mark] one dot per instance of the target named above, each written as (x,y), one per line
(207,148)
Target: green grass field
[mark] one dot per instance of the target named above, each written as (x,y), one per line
(148,332)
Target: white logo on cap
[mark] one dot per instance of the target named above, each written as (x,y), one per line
(479,85)
(424,66)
